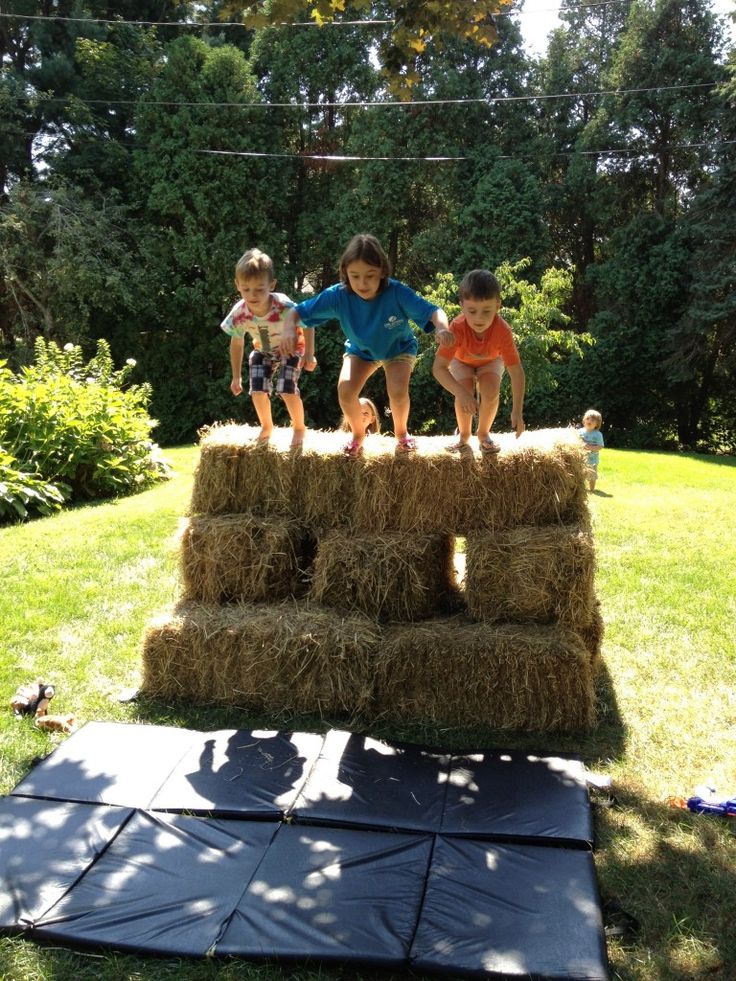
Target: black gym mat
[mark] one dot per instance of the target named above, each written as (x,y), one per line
(45,847)
(337,848)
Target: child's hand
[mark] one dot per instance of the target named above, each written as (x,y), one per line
(288,340)
(309,363)
(468,403)
(236,386)
(445,337)
(517,423)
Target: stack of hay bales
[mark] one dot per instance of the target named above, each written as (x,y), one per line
(316,583)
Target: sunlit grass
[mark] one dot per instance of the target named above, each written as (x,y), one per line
(79,588)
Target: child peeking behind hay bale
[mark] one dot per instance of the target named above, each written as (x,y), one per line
(369,414)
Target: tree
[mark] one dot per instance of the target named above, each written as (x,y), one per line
(577,201)
(414,26)
(202,211)
(66,260)
(667,112)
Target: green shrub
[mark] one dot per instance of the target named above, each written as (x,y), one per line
(73,423)
(23,494)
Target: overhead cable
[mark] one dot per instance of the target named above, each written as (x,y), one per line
(383,104)
(334,158)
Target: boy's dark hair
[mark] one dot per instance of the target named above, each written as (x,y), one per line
(479,284)
(365,248)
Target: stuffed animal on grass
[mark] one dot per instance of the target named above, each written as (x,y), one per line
(32,699)
(57,723)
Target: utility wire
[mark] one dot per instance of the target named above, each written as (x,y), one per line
(490,100)
(332,158)
(333,23)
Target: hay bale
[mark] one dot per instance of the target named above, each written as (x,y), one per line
(531,575)
(591,635)
(390,576)
(456,673)
(235,474)
(231,557)
(271,657)
(537,479)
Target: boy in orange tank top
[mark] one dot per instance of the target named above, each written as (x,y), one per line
(483,347)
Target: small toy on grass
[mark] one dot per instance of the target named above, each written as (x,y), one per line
(705,800)
(32,699)
(57,723)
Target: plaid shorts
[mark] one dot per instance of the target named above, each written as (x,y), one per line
(262,367)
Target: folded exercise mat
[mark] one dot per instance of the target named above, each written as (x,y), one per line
(45,846)
(519,796)
(333,894)
(510,911)
(109,763)
(336,848)
(240,773)
(166,885)
(367,782)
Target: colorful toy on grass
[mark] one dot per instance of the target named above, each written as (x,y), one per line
(706,801)
(32,699)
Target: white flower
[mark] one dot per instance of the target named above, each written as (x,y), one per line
(69,347)
(131,362)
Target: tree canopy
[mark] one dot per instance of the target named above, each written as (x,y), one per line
(146,144)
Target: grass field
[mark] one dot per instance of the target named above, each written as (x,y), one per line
(79,587)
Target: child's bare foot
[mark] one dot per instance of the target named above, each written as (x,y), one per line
(264,437)
(297,437)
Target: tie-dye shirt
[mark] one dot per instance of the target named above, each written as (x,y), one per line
(265,331)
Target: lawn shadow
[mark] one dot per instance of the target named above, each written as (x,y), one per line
(602,743)
(672,874)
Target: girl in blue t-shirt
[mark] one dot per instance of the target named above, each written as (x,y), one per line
(374,312)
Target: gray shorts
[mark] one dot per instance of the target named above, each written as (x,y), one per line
(461,371)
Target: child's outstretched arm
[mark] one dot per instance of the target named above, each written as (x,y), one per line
(288,333)
(441,371)
(310,362)
(236,364)
(518,388)
(441,328)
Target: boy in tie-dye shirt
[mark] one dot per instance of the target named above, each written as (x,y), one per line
(260,313)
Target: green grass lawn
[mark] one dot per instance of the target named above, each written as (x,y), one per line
(79,588)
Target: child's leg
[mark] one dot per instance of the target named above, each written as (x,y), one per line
(398,372)
(489,386)
(464,419)
(592,475)
(288,388)
(354,374)
(295,408)
(260,370)
(262,405)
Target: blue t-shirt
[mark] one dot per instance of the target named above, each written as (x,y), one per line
(377,329)
(592,438)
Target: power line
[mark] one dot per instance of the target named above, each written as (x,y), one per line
(333,23)
(333,158)
(490,100)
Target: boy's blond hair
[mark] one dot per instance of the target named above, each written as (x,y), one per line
(252,264)
(595,416)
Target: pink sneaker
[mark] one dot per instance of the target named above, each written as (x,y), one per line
(353,449)
(406,444)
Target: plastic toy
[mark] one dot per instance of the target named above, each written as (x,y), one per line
(705,801)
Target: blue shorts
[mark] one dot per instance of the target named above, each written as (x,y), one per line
(263,366)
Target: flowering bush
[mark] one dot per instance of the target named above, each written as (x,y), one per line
(74,424)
